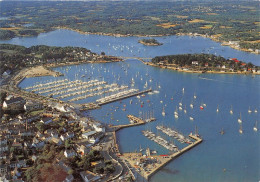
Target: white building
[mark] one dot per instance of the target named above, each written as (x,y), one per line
(69,153)
(32,106)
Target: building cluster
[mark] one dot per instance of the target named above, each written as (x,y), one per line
(25,133)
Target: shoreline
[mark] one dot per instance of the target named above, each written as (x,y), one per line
(212,37)
(198,71)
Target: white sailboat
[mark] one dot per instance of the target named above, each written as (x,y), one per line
(194,96)
(217,109)
(255,127)
(231,110)
(249,110)
(185,110)
(239,119)
(240,129)
(255,110)
(163,112)
(191,105)
(176,111)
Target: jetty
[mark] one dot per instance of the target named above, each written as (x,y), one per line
(134,121)
(123,96)
(156,162)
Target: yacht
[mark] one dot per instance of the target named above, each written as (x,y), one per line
(239,120)
(185,110)
(231,110)
(240,129)
(249,110)
(194,96)
(163,112)
(191,118)
(255,127)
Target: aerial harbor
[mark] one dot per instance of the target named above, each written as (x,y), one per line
(157,91)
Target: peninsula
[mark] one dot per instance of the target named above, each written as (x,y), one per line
(204,63)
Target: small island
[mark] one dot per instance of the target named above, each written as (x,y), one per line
(204,63)
(150,42)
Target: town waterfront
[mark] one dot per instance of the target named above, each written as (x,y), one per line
(229,157)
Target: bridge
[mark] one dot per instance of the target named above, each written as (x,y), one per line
(138,58)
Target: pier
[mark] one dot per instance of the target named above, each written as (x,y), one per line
(136,121)
(124,97)
(161,160)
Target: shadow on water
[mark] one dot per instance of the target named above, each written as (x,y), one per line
(170,171)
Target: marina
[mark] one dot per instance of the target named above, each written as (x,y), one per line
(156,162)
(230,150)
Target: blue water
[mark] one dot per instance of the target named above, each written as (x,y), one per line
(128,46)
(237,153)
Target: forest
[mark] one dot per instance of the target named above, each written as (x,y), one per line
(226,20)
(18,57)
(201,61)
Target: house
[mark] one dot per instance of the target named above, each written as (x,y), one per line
(30,119)
(98,127)
(18,164)
(69,153)
(15,103)
(7,73)
(56,140)
(69,178)
(206,64)
(38,144)
(71,122)
(46,120)
(3,169)
(82,149)
(223,67)
(67,136)
(32,106)
(196,63)
(89,134)
(88,176)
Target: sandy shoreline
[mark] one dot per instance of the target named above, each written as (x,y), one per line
(39,71)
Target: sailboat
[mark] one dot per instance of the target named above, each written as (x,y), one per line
(191,118)
(145,85)
(163,112)
(249,110)
(231,110)
(222,132)
(141,149)
(255,110)
(217,109)
(185,110)
(239,120)
(240,129)
(255,127)
(191,105)
(176,111)
(194,96)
